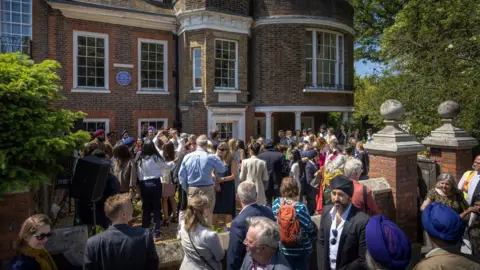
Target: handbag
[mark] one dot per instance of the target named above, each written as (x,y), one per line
(196,250)
(466,247)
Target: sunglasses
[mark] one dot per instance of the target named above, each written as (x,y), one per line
(222,149)
(42,236)
(333,241)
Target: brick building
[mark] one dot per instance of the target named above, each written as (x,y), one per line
(243,67)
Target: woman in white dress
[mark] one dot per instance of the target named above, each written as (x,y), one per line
(255,171)
(201,245)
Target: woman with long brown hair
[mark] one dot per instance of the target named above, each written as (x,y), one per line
(201,245)
(168,188)
(33,236)
(124,168)
(225,188)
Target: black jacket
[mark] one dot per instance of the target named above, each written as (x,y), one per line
(275,162)
(236,249)
(352,245)
(121,247)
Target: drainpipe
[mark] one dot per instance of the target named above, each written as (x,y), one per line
(177,83)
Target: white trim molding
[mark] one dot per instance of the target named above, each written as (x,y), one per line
(117,65)
(270,109)
(236,116)
(140,120)
(326,90)
(299,19)
(165,66)
(115,16)
(91,89)
(98,120)
(205,19)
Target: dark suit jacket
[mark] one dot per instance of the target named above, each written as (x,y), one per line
(352,245)
(275,161)
(310,169)
(238,231)
(121,247)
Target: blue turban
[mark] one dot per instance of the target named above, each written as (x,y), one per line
(387,244)
(128,141)
(441,222)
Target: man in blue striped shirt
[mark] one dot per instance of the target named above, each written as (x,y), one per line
(195,173)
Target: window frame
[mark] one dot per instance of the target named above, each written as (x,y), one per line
(226,89)
(339,61)
(196,88)
(140,89)
(232,130)
(140,120)
(91,89)
(98,120)
(21,25)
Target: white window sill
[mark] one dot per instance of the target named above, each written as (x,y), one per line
(152,92)
(327,90)
(227,90)
(198,91)
(90,90)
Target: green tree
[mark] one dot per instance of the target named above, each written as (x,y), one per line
(32,131)
(372,17)
(433,49)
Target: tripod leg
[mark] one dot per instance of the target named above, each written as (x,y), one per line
(94,229)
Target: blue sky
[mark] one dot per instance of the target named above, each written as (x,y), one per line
(367,68)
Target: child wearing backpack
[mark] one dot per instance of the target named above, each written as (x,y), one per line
(297,231)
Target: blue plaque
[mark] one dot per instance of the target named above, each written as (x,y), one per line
(124,78)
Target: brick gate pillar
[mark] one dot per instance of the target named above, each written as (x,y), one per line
(450,146)
(393,156)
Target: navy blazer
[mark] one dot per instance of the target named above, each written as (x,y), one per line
(275,161)
(23,262)
(310,169)
(238,231)
(121,247)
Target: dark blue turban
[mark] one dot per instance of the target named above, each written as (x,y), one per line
(387,244)
(442,222)
(128,141)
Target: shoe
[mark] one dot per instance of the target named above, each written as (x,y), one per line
(158,236)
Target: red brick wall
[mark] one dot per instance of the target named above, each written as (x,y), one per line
(14,209)
(122,49)
(340,10)
(456,162)
(239,7)
(401,174)
(278,71)
(41,33)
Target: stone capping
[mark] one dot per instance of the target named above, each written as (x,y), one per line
(206,19)
(392,140)
(302,19)
(377,185)
(448,136)
(70,242)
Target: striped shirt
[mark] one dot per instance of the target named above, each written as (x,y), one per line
(306,225)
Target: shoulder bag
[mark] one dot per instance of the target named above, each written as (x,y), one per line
(196,250)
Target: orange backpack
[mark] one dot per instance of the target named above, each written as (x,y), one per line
(290,233)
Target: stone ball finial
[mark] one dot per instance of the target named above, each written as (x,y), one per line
(448,109)
(392,109)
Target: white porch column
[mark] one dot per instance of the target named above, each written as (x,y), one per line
(345,117)
(268,125)
(298,120)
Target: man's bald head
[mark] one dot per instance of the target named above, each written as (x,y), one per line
(202,141)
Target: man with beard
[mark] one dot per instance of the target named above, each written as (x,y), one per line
(341,238)
(469,182)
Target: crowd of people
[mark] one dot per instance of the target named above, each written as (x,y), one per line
(277,188)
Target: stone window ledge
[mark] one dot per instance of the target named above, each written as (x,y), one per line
(196,91)
(223,90)
(152,92)
(90,90)
(326,90)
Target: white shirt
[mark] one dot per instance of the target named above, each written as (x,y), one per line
(153,167)
(333,250)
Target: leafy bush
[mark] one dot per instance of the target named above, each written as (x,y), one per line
(33,133)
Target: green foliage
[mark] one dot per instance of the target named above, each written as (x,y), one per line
(372,17)
(433,49)
(32,131)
